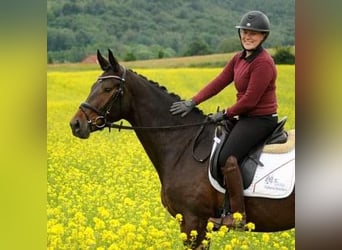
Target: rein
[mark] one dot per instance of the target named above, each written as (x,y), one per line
(194,144)
(120,126)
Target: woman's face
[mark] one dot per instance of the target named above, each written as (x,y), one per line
(251,39)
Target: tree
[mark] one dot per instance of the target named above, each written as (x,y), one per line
(70,9)
(176,27)
(130,56)
(60,39)
(283,55)
(198,47)
(230,44)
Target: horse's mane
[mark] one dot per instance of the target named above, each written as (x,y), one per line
(163,88)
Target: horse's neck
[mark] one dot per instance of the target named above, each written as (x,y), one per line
(150,108)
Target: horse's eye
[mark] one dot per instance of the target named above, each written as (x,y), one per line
(108,90)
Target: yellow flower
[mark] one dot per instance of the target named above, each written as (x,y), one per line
(80,218)
(114,223)
(205,243)
(223,229)
(128,202)
(103,212)
(108,235)
(220,233)
(166,245)
(179,218)
(193,233)
(228,247)
(285,235)
(234,242)
(57,229)
(265,237)
(250,226)
(90,242)
(210,226)
(89,233)
(113,247)
(237,216)
(183,236)
(99,224)
(130,236)
(208,235)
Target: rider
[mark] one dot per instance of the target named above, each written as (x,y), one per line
(254,114)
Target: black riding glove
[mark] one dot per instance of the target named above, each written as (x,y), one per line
(183,107)
(217,117)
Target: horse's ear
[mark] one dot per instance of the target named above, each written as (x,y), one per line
(113,62)
(102,61)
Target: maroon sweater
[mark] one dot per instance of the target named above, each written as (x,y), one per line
(254,79)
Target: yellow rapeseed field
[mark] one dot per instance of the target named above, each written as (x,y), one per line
(103,193)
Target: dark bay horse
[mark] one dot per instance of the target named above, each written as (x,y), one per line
(122,94)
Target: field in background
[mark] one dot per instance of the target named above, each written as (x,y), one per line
(103,193)
(214,60)
(177,62)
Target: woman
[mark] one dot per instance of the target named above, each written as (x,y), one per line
(254,113)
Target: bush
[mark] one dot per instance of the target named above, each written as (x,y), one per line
(283,55)
(130,57)
(197,47)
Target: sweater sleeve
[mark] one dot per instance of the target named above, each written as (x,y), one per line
(217,84)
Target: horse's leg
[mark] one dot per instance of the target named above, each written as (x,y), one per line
(189,223)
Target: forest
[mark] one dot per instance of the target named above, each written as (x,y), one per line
(144,29)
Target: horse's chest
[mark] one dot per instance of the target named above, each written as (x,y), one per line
(168,202)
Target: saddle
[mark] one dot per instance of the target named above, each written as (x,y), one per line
(252,160)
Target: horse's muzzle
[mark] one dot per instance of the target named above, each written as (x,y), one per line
(80,128)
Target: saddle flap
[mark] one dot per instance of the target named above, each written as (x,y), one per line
(219,139)
(279,134)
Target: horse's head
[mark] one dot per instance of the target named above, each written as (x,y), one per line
(104,104)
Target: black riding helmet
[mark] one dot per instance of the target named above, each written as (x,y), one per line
(255,20)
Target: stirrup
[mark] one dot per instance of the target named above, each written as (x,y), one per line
(224,220)
(229,222)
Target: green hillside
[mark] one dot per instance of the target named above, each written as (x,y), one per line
(143,29)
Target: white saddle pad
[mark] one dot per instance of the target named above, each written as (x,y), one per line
(276,179)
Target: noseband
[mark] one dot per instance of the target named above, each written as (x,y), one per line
(101,120)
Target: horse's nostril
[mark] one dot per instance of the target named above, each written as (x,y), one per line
(75,124)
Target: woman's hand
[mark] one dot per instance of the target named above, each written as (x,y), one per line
(183,107)
(218,116)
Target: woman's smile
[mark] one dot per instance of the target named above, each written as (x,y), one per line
(251,39)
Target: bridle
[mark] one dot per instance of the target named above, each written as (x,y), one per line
(101,120)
